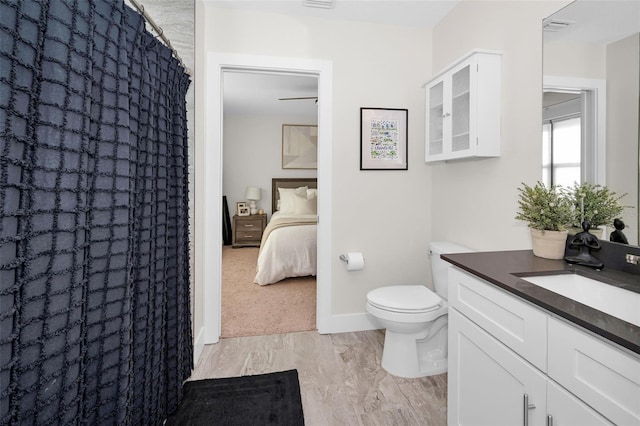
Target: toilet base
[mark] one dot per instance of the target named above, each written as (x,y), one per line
(416,355)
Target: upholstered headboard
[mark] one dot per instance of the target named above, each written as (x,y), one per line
(288,183)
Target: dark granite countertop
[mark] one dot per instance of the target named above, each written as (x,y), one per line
(505,269)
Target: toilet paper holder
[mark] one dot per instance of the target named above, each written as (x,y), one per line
(354,261)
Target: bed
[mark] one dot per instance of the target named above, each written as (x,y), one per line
(289,242)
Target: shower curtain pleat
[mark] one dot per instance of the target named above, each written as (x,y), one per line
(94,262)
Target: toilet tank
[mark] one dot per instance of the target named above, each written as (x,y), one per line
(439,267)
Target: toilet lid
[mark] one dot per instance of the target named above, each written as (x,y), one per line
(405,298)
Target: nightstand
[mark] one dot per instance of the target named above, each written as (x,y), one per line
(247,230)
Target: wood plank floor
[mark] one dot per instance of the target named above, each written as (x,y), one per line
(341,381)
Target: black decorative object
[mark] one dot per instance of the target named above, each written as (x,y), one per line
(584,242)
(94,252)
(264,399)
(618,236)
(226,223)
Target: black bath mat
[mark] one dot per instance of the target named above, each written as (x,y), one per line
(265,399)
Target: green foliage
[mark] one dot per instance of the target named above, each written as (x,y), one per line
(600,204)
(546,209)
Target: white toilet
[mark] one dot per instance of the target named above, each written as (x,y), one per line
(415,319)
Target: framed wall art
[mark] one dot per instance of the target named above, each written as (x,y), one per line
(383,139)
(299,146)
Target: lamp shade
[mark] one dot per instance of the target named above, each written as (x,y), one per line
(253,193)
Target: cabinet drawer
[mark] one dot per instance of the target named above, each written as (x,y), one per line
(514,322)
(242,235)
(249,224)
(605,377)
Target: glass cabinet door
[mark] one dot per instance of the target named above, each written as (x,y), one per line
(461,110)
(436,115)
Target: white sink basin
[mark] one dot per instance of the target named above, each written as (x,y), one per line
(615,301)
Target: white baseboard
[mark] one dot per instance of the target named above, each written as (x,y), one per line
(347,323)
(198,346)
(344,323)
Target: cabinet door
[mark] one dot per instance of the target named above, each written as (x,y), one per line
(487,382)
(450,114)
(461,110)
(602,375)
(435,120)
(565,409)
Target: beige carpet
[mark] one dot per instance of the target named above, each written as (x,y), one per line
(249,309)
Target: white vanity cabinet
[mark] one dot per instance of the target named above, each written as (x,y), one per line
(463,109)
(488,383)
(513,363)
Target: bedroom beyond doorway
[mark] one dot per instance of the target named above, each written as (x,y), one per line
(249,309)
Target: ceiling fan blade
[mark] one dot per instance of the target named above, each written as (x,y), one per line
(296,99)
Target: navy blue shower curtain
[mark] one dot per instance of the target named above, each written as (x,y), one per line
(94,268)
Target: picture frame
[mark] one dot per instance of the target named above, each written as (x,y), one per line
(244,211)
(383,139)
(240,205)
(299,146)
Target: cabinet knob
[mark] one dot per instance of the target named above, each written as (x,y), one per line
(446,114)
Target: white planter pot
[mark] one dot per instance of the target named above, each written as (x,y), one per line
(548,244)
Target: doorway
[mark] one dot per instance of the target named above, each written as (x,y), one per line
(256,107)
(592,100)
(211,179)
(563,139)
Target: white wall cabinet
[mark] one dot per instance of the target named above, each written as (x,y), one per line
(463,109)
(589,381)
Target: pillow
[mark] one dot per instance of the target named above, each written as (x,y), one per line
(312,193)
(301,192)
(306,205)
(288,198)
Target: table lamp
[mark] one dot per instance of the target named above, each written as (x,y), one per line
(252,194)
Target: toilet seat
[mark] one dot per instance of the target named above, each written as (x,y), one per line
(406,299)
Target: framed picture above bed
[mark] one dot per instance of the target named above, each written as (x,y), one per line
(383,139)
(299,146)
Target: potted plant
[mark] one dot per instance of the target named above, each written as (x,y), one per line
(595,203)
(548,213)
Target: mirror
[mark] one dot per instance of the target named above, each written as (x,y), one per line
(591,50)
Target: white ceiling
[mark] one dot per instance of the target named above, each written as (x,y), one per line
(251,93)
(597,21)
(259,93)
(417,13)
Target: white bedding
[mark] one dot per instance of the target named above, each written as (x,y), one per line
(288,251)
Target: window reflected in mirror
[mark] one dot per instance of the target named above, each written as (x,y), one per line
(562,140)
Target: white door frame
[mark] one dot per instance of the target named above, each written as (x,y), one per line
(596,112)
(211,191)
